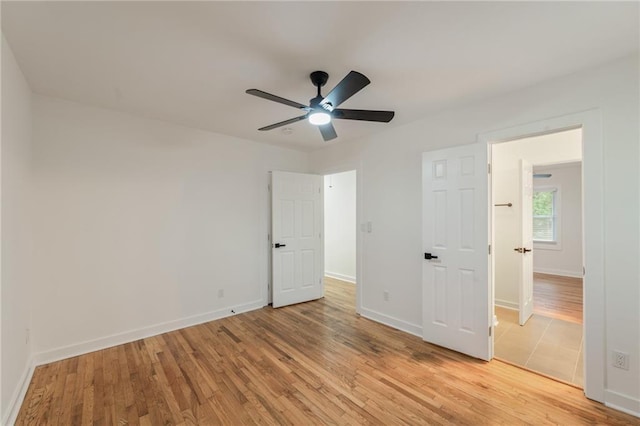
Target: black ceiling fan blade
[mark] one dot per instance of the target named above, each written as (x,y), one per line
(328,132)
(349,86)
(283,123)
(363,114)
(274,98)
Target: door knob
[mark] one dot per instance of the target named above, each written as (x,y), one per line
(428,256)
(522,250)
(278,245)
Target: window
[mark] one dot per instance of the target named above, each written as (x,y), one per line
(545,215)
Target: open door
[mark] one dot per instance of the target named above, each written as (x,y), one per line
(525,299)
(456,296)
(296,223)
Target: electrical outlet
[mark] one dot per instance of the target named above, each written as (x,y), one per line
(220,293)
(620,360)
(385,296)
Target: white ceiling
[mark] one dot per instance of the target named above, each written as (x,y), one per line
(190,62)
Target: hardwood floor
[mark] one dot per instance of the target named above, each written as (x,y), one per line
(558,297)
(312,363)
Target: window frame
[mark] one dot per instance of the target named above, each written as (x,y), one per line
(556,244)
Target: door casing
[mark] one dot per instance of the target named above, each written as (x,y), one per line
(593,248)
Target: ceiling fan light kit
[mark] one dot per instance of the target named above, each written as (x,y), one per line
(322,110)
(319,118)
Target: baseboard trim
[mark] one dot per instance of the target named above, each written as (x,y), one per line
(558,272)
(341,277)
(18,397)
(141,333)
(396,323)
(621,402)
(507,305)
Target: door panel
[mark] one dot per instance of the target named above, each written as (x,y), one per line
(440,219)
(439,299)
(456,301)
(526,242)
(467,212)
(297,229)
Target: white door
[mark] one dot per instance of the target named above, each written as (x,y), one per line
(526,242)
(456,296)
(296,223)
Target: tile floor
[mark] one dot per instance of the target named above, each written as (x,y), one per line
(549,346)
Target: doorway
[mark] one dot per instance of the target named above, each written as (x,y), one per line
(474,291)
(340,234)
(538,258)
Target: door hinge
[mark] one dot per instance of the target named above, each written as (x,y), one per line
(489,248)
(319,192)
(269,187)
(489,168)
(490,328)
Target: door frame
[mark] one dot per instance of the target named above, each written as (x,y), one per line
(593,231)
(347,167)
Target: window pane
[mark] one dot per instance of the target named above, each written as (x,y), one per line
(544,215)
(543,229)
(543,203)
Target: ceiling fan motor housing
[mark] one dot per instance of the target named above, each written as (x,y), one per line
(319,78)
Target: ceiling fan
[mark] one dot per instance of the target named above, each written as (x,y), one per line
(322,110)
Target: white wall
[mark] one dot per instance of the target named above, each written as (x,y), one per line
(139,223)
(391,174)
(16,250)
(340,225)
(567,259)
(558,147)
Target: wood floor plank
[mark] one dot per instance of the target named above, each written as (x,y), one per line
(558,297)
(311,363)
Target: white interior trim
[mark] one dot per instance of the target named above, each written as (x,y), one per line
(558,272)
(15,403)
(393,322)
(623,403)
(593,247)
(140,333)
(507,304)
(340,277)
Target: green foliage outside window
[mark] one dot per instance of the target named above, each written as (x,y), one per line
(543,203)
(544,228)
